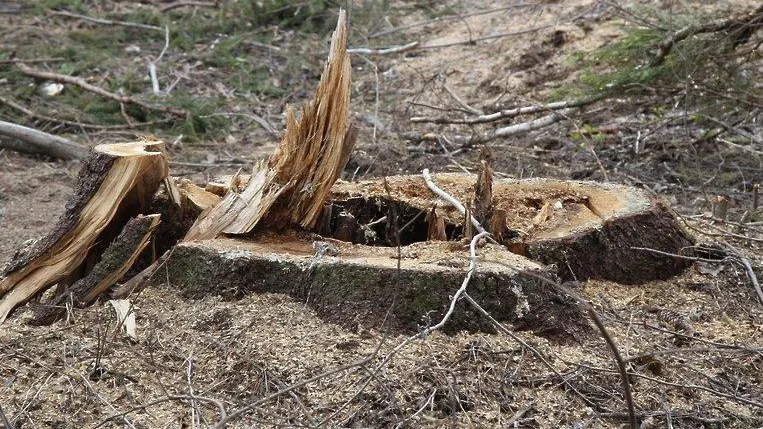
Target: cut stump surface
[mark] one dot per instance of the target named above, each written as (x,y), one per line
(560,230)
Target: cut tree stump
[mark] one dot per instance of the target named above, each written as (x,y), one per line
(117,182)
(559,230)
(395,256)
(360,286)
(586,229)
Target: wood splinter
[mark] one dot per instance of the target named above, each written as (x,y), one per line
(117,182)
(115,262)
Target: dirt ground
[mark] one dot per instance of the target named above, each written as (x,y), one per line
(693,344)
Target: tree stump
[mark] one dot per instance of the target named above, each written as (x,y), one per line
(117,182)
(558,230)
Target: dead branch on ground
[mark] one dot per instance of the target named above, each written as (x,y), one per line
(178,4)
(122,99)
(75,124)
(41,142)
(509,113)
(105,21)
(738,29)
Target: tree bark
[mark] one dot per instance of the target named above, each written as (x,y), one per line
(116,183)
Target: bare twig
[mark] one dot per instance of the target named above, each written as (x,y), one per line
(383,51)
(461,102)
(748,268)
(4,419)
(43,142)
(177,4)
(518,415)
(31,60)
(97,90)
(105,21)
(75,124)
(450,200)
(220,406)
(509,113)
(152,64)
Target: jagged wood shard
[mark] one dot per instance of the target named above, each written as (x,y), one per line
(291,188)
(115,261)
(117,182)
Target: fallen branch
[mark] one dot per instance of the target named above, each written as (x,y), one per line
(531,125)
(42,142)
(739,29)
(509,113)
(105,21)
(468,141)
(124,99)
(383,51)
(750,272)
(18,107)
(461,102)
(177,4)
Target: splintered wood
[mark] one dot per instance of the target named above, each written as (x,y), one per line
(292,187)
(117,182)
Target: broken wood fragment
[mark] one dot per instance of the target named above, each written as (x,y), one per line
(116,183)
(435,227)
(292,188)
(118,257)
(483,191)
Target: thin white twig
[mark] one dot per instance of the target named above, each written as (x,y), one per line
(152,64)
(453,301)
(452,201)
(383,51)
(105,21)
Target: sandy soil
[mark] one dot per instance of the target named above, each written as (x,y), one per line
(693,344)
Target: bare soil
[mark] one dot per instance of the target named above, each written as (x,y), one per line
(693,343)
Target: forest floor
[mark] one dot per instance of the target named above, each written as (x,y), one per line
(693,344)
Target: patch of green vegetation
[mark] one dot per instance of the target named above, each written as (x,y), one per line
(628,64)
(41,6)
(201,120)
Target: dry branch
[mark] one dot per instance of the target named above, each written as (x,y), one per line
(509,113)
(177,4)
(383,51)
(105,21)
(75,124)
(41,142)
(124,99)
(739,29)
